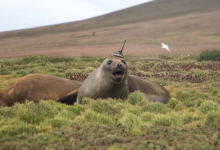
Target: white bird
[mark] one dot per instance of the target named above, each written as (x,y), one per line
(166,47)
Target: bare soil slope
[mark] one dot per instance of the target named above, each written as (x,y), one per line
(188,26)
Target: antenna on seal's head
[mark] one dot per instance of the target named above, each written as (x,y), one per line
(119,53)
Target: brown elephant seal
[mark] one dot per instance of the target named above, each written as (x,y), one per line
(35,87)
(111,80)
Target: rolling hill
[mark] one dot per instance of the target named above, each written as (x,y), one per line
(188,26)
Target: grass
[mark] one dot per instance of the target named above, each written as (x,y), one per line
(212,55)
(191,119)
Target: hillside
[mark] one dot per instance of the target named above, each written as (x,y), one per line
(191,25)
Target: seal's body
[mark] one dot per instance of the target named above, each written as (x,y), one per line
(35,87)
(152,91)
(111,80)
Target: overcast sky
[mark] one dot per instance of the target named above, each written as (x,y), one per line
(21,14)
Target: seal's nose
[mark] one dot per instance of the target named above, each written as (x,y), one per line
(119,65)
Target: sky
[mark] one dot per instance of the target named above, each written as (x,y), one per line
(21,14)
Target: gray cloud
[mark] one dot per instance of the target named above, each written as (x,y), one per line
(20,14)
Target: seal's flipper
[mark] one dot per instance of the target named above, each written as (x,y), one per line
(70,98)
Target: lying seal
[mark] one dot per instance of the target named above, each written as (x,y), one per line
(35,87)
(111,79)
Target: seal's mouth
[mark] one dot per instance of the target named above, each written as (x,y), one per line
(118,74)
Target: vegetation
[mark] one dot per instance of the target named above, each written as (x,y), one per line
(213,55)
(191,120)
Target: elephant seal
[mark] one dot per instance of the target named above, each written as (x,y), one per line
(111,80)
(35,87)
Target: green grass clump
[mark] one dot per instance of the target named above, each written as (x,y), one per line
(136,97)
(58,122)
(179,107)
(190,103)
(190,95)
(213,119)
(21,73)
(4,71)
(18,128)
(76,109)
(215,92)
(163,120)
(213,55)
(147,117)
(115,147)
(199,102)
(86,101)
(94,117)
(129,119)
(6,112)
(35,114)
(173,103)
(156,107)
(103,107)
(208,106)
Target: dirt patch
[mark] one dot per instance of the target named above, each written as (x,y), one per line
(148,59)
(105,50)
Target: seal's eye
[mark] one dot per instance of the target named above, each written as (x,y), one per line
(109,62)
(124,61)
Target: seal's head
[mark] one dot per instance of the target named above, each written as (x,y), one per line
(115,67)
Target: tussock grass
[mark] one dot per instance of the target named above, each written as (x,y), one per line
(193,111)
(49,115)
